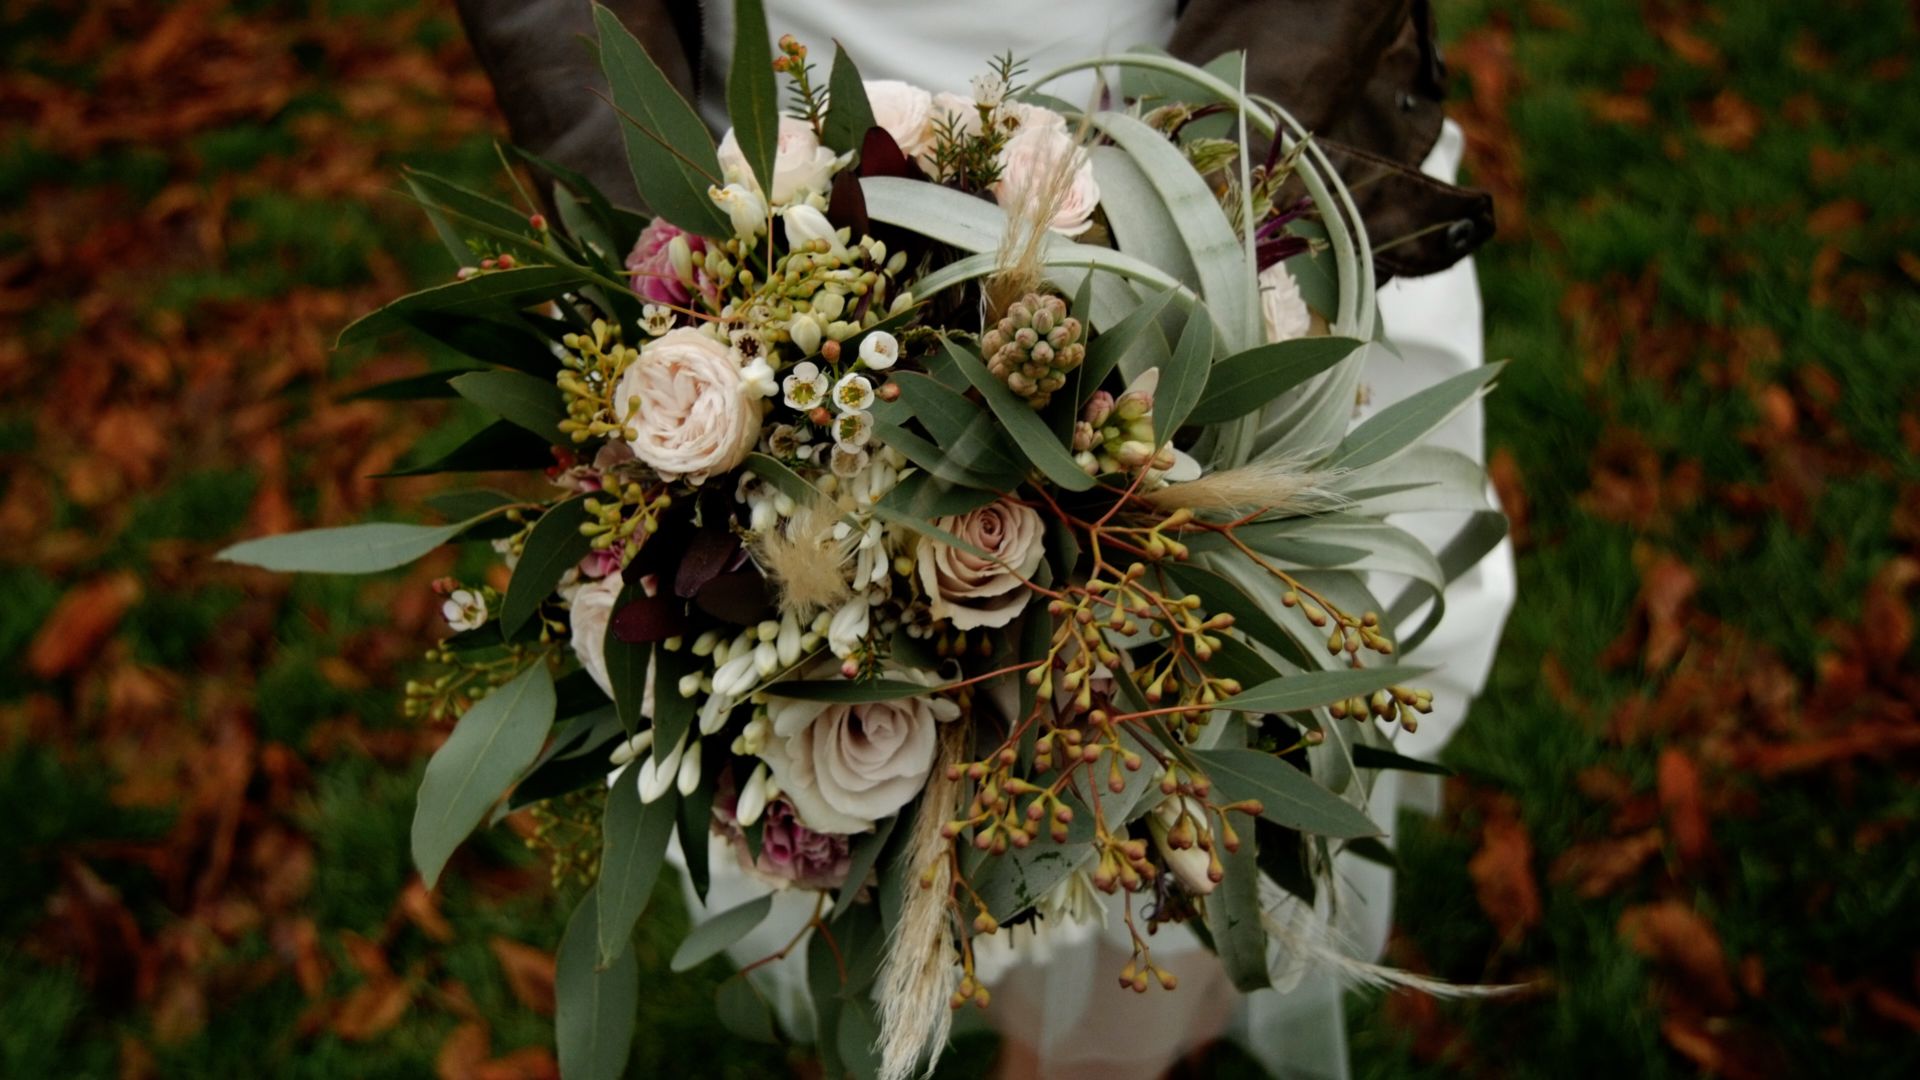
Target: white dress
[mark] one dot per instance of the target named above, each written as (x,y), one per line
(1064,1001)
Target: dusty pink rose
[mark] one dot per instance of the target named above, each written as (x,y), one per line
(688,406)
(1028,166)
(845,767)
(970,591)
(651,262)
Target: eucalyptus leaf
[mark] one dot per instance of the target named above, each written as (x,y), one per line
(532,403)
(424,387)
(1404,423)
(668,146)
(712,937)
(595,1006)
(346,549)
(963,431)
(633,849)
(1233,917)
(865,854)
(753,101)
(849,113)
(1375,757)
(554,545)
(1183,377)
(1244,382)
(1035,439)
(482,294)
(501,446)
(495,740)
(784,479)
(1108,349)
(1287,796)
(743,1010)
(1312,689)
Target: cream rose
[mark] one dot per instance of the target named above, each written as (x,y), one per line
(904,111)
(845,767)
(591,612)
(1281,306)
(688,405)
(969,591)
(1028,166)
(800,163)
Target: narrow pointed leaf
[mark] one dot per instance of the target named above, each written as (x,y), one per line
(668,146)
(1287,796)
(1404,423)
(554,545)
(1035,439)
(530,402)
(710,938)
(1312,689)
(1245,382)
(347,549)
(1375,757)
(494,742)
(633,849)
(500,446)
(1183,377)
(595,1006)
(849,114)
(753,102)
(480,294)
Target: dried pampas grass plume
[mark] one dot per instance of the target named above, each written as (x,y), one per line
(1307,942)
(804,561)
(916,978)
(1281,487)
(1021,262)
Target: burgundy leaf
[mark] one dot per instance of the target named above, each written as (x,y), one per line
(710,553)
(847,206)
(881,156)
(738,597)
(650,618)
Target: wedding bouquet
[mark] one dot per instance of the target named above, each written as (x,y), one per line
(949,501)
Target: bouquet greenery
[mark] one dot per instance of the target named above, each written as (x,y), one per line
(948,507)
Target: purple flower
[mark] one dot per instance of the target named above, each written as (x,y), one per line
(651,263)
(792,851)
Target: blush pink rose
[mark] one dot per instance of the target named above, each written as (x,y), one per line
(1028,166)
(688,406)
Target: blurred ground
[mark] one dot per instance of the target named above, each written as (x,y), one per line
(1686,806)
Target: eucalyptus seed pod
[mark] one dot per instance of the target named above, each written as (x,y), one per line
(1034,347)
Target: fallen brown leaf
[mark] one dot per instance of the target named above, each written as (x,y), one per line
(1600,867)
(1678,781)
(85,617)
(423,911)
(529,973)
(1502,872)
(1685,946)
(371,1008)
(463,1052)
